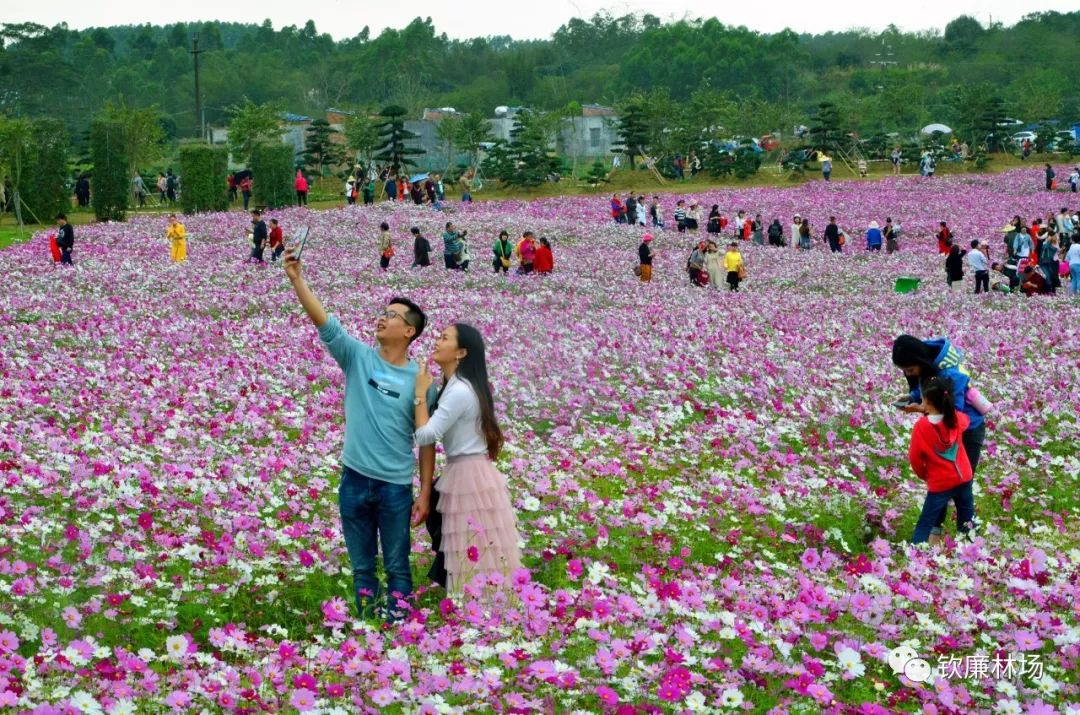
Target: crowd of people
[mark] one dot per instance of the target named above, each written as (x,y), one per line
(1035,258)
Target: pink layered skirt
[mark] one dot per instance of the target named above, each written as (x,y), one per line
(479,529)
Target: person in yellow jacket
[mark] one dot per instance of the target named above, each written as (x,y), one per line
(177,238)
(733,263)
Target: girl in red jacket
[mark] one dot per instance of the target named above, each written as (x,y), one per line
(938,458)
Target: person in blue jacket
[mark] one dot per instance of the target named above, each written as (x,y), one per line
(873,237)
(922,359)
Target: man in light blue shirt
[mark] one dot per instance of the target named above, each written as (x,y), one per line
(376,493)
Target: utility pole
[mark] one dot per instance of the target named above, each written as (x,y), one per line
(884,58)
(195,52)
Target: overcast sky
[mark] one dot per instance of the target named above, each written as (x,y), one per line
(521,20)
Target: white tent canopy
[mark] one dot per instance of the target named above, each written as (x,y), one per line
(931,128)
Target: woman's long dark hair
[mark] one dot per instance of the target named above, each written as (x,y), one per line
(938,391)
(473,370)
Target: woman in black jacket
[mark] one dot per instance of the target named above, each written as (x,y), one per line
(954,265)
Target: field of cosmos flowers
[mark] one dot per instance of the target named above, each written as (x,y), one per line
(712,487)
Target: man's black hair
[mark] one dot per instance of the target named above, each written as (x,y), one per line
(414,316)
(384,226)
(61,215)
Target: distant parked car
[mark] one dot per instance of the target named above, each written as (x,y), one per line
(1021,137)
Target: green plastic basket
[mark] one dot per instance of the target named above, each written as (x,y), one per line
(906,284)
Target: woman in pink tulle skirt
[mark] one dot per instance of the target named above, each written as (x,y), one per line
(479,531)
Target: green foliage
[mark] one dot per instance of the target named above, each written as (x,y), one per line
(144,134)
(251,124)
(394,148)
(362,136)
(1044,137)
(827,130)
(110,183)
(473,132)
(750,82)
(530,161)
(632,131)
(204,168)
(321,152)
(597,174)
(34,155)
(45,192)
(272,170)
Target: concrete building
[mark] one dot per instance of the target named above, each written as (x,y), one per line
(589,136)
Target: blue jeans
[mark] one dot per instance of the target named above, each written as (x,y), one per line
(972,439)
(371,511)
(1074,279)
(936,503)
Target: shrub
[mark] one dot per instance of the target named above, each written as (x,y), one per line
(43,181)
(110,184)
(272,174)
(204,168)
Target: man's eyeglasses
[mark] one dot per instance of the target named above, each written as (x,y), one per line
(390,315)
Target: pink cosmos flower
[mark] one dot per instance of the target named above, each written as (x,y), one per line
(302,699)
(607,696)
(473,554)
(1026,640)
(8,642)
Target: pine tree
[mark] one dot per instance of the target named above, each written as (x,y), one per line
(321,151)
(632,132)
(394,148)
(827,130)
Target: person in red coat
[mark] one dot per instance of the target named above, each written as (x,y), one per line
(301,184)
(938,457)
(944,240)
(544,262)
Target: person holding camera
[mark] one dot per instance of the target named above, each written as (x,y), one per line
(452,246)
(375,496)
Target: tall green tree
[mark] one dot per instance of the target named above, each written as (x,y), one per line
(144,135)
(397,146)
(632,131)
(251,124)
(473,133)
(110,181)
(362,136)
(321,152)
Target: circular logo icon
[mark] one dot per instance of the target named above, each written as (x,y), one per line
(899,656)
(917,670)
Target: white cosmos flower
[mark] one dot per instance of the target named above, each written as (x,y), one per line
(176,647)
(731,698)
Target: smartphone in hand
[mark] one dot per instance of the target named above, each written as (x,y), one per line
(901,404)
(300,237)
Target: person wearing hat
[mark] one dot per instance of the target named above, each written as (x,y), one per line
(921,360)
(873,237)
(645,256)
